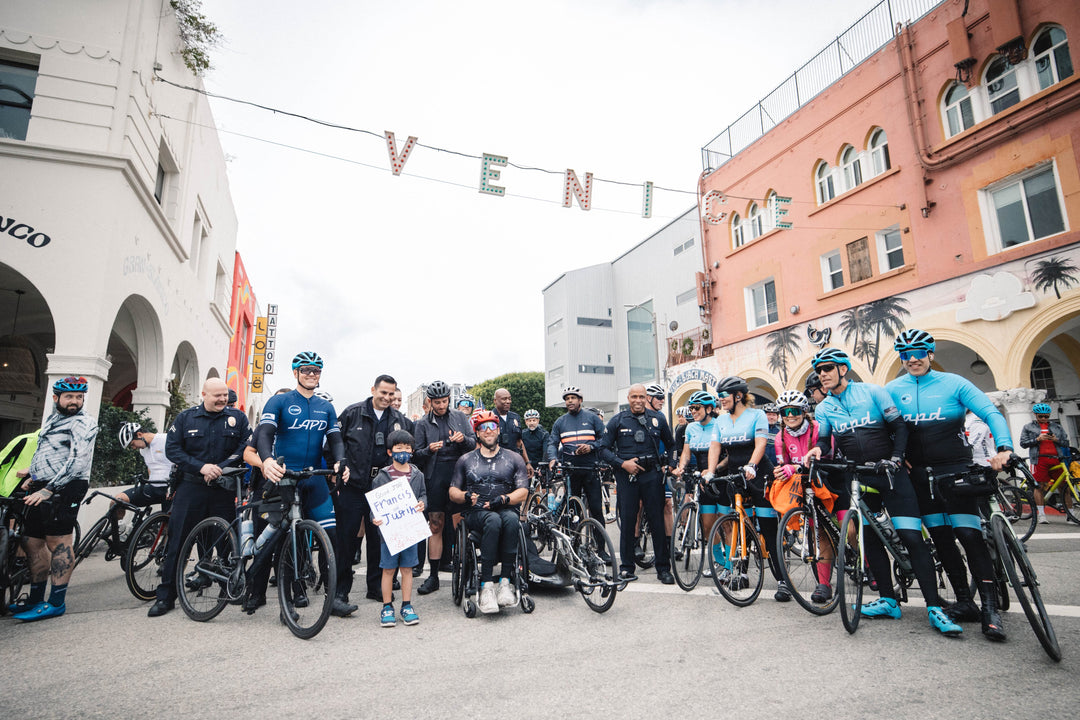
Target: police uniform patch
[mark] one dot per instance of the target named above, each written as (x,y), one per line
(655,423)
(516,423)
(397,426)
(231,421)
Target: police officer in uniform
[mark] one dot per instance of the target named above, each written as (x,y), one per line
(632,446)
(510,427)
(366,425)
(202,441)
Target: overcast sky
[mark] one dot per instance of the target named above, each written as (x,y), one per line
(420,275)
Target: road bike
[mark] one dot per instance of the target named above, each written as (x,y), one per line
(1061,493)
(107,528)
(14,565)
(738,570)
(213,568)
(146,555)
(687,543)
(809,536)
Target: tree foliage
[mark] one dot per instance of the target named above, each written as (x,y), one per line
(113,465)
(197,35)
(526,393)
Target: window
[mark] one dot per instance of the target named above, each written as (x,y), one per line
(755,219)
(222,291)
(555,373)
(680,247)
(858,260)
(159,183)
(555,326)
(596,369)
(826,190)
(737,237)
(852,167)
(1026,208)
(1052,61)
(832,271)
(1001,88)
(685,297)
(1042,376)
(17,83)
(166,182)
(890,249)
(771,207)
(594,322)
(761,304)
(879,152)
(641,343)
(959,115)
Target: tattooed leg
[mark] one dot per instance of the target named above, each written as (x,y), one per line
(63,558)
(40,559)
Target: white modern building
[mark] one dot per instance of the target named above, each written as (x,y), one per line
(611,325)
(118,229)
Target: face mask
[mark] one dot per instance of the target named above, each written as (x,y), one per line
(402,458)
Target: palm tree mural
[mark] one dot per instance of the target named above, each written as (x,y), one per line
(1055,271)
(782,343)
(864,326)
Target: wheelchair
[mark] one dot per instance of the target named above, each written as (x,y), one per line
(465,569)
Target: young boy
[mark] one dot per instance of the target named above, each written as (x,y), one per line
(400,447)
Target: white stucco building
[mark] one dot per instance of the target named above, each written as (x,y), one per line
(118,229)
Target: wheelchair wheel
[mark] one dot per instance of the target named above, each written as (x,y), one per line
(527,604)
(469,607)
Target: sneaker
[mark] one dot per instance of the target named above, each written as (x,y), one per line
(430,585)
(417,571)
(489,603)
(782,593)
(883,608)
(964,611)
(505,595)
(41,611)
(408,615)
(387,619)
(941,622)
(706,570)
(822,594)
(1043,520)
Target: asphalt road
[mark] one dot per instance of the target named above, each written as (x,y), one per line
(657,652)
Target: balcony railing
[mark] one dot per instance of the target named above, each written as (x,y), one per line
(690,345)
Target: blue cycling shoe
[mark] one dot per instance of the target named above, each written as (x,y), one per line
(942,622)
(21,605)
(882,608)
(41,611)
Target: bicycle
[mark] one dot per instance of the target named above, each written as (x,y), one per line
(14,565)
(739,572)
(1061,493)
(586,551)
(1011,562)
(1017,503)
(687,543)
(107,528)
(809,536)
(607,487)
(551,494)
(146,554)
(851,557)
(218,553)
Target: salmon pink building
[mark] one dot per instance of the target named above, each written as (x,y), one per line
(922,171)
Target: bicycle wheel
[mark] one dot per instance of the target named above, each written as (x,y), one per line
(208,559)
(687,556)
(77,533)
(18,576)
(592,544)
(146,554)
(739,570)
(5,544)
(1018,505)
(307,578)
(1025,585)
(849,572)
(808,560)
(1072,503)
(457,585)
(574,512)
(88,543)
(644,553)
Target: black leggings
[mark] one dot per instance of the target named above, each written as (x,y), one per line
(952,518)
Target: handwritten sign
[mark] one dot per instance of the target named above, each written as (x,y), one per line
(395,505)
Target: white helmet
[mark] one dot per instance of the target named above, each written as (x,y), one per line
(572,390)
(127,433)
(324,395)
(793,398)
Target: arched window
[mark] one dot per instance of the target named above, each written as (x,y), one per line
(852,165)
(1001,88)
(755,218)
(1052,61)
(1042,376)
(825,188)
(770,211)
(879,151)
(737,237)
(959,114)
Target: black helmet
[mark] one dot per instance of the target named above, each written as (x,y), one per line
(732,384)
(438,389)
(812,381)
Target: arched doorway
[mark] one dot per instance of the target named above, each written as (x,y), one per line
(185,372)
(27,333)
(136,378)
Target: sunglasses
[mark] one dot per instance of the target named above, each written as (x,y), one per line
(790,411)
(724,394)
(310,371)
(826,368)
(487,427)
(695,408)
(1042,417)
(906,355)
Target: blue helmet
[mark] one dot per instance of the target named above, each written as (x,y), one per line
(831,355)
(705,399)
(70,384)
(913,339)
(1041,409)
(306,358)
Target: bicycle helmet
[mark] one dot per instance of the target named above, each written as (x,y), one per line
(1041,409)
(307,357)
(324,395)
(466,400)
(70,384)
(792,398)
(732,384)
(572,390)
(812,381)
(831,355)
(127,433)
(655,390)
(683,412)
(530,414)
(702,398)
(913,339)
(482,416)
(438,389)
(771,408)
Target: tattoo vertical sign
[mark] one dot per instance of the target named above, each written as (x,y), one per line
(258,355)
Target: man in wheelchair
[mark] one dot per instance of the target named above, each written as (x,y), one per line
(491,481)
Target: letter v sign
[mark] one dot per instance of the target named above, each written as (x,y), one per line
(397,162)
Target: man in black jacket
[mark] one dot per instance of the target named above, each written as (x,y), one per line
(365,426)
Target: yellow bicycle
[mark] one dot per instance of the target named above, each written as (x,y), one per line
(1061,494)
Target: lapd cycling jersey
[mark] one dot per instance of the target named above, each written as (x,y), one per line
(738,437)
(699,437)
(864,422)
(490,477)
(934,406)
(293,427)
